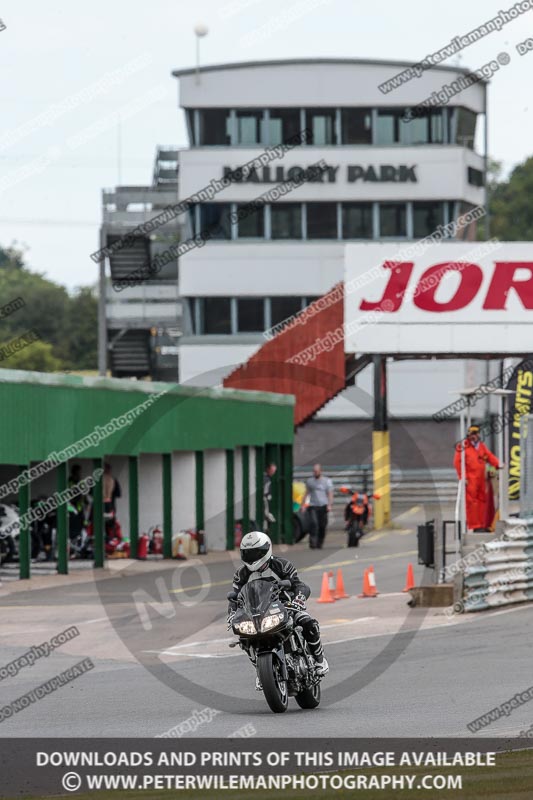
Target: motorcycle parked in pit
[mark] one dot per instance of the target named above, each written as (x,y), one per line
(41,534)
(9,517)
(264,623)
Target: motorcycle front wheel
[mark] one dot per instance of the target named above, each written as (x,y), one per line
(274,687)
(309,698)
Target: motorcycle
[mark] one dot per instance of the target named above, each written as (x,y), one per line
(43,532)
(301,516)
(264,623)
(80,530)
(356,514)
(8,545)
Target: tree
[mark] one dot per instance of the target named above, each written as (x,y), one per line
(511,205)
(67,324)
(82,330)
(11,258)
(37,357)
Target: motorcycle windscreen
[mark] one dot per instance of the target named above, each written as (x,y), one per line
(257,596)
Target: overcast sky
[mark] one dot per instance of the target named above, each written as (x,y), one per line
(121,53)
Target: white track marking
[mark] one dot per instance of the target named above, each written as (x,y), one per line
(348,622)
(187,655)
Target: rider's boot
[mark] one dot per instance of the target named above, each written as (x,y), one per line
(322,667)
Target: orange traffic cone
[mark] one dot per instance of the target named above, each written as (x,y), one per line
(369,584)
(325,593)
(410,580)
(340,591)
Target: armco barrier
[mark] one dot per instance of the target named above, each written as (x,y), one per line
(504,574)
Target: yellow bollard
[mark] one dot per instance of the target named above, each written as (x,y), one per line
(381,473)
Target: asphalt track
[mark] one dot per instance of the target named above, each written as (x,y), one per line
(402,672)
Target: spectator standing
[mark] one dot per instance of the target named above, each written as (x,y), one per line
(267,495)
(320,499)
(111,488)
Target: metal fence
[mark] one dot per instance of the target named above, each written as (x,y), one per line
(409,486)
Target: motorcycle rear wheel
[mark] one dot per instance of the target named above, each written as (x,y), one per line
(309,698)
(274,688)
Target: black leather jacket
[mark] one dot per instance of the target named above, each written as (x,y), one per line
(282,567)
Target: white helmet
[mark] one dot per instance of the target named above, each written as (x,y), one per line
(256,550)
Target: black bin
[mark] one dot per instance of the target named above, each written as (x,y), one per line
(426,544)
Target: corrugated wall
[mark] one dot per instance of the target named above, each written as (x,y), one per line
(41,414)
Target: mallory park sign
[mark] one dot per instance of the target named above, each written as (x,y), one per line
(384,173)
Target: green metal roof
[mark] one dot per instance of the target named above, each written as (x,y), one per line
(43,413)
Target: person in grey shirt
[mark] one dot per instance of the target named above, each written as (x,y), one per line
(320,499)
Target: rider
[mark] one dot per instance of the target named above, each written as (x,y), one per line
(256,555)
(359,505)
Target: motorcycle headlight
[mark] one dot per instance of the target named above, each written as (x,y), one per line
(246,627)
(272,621)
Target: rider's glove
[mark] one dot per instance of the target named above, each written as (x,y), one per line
(231,615)
(299,601)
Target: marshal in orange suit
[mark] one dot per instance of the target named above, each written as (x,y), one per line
(477,456)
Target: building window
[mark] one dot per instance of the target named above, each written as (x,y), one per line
(357,221)
(426,218)
(466,232)
(189,116)
(284,124)
(216,315)
(284,307)
(215,126)
(449,209)
(250,315)
(388,126)
(215,220)
(286,220)
(475,176)
(321,123)
(356,125)
(465,127)
(190,226)
(248,127)
(427,129)
(416,131)
(392,219)
(189,315)
(321,220)
(436,125)
(252,224)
